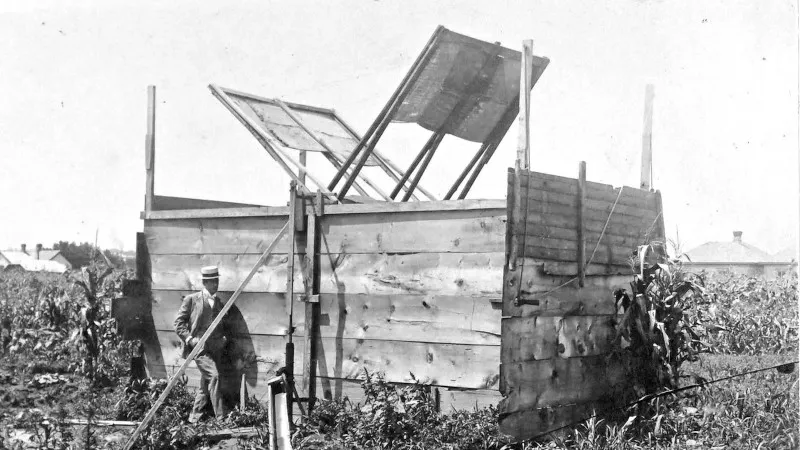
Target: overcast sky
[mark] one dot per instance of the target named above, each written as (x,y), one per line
(74,79)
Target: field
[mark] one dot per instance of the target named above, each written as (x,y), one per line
(62,361)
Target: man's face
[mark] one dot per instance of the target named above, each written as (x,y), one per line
(211,285)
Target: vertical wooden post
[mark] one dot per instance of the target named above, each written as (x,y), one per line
(312,279)
(581,225)
(526,69)
(150,149)
(290,295)
(647,139)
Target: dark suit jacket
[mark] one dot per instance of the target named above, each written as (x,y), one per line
(187,320)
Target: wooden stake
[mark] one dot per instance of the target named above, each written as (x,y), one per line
(581,237)
(150,149)
(466,171)
(199,346)
(526,69)
(308,383)
(647,139)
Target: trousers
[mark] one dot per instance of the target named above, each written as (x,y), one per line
(210,388)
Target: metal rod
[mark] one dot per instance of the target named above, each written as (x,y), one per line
(431,150)
(387,108)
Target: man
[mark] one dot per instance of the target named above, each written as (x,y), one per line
(197,312)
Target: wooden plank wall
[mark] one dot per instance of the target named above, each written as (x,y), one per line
(557,335)
(401,293)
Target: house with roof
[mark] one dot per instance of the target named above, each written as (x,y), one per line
(738,257)
(37,260)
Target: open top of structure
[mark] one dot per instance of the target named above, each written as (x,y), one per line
(458,86)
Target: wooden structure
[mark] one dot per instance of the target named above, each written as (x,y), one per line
(479,299)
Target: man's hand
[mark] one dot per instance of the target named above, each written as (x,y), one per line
(193,341)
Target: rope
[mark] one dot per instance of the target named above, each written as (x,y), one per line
(671,391)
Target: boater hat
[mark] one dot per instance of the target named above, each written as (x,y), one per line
(210,272)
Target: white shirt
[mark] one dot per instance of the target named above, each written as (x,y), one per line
(211,298)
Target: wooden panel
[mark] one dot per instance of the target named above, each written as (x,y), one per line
(631,237)
(461,274)
(428,231)
(338,388)
(366,208)
(183,272)
(243,235)
(544,337)
(595,209)
(534,423)
(618,225)
(474,231)
(631,196)
(567,251)
(465,366)
(163,202)
(464,320)
(558,381)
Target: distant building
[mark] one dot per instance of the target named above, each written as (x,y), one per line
(38,260)
(737,257)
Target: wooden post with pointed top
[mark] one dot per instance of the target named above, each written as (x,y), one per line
(526,69)
(150,149)
(647,139)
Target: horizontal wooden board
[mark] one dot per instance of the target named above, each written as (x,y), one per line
(337,388)
(623,226)
(544,337)
(353,208)
(470,231)
(422,318)
(559,381)
(183,272)
(164,202)
(594,189)
(457,274)
(561,296)
(570,269)
(593,209)
(534,423)
(422,231)
(455,365)
(599,200)
(535,231)
(605,254)
(240,235)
